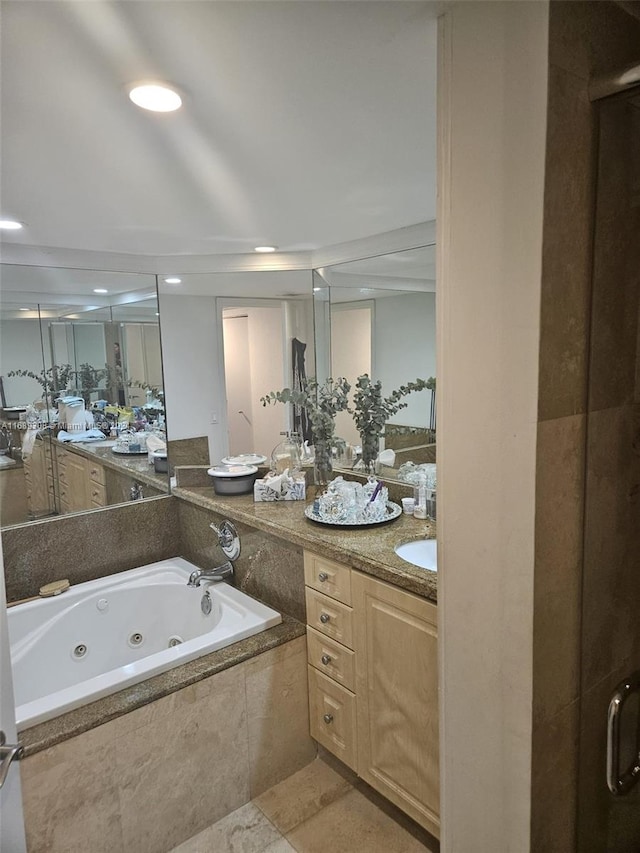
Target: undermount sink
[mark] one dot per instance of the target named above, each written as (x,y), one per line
(421,553)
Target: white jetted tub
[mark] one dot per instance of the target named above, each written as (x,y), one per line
(101,636)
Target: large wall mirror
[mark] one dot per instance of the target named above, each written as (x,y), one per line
(377,316)
(228,338)
(81,381)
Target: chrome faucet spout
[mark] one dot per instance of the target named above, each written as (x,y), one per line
(220,573)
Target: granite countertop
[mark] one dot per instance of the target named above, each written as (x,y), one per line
(43,735)
(370,550)
(135,466)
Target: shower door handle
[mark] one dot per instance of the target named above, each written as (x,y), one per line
(8,753)
(620,781)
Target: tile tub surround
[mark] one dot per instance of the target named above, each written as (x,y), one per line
(369,550)
(89,545)
(268,568)
(153,778)
(188,451)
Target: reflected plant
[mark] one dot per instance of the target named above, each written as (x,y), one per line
(322,403)
(371,410)
(55,379)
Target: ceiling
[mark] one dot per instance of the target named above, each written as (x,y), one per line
(304,124)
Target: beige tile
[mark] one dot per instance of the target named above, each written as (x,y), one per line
(353,824)
(558,564)
(181,773)
(245,830)
(278,716)
(145,715)
(277,655)
(554,782)
(302,795)
(566,253)
(70,796)
(281,846)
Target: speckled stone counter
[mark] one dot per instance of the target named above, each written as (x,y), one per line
(44,735)
(370,550)
(133,466)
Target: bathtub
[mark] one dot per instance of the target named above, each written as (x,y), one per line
(102,636)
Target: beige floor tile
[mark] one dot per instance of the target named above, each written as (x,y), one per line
(246,830)
(281,846)
(353,824)
(302,795)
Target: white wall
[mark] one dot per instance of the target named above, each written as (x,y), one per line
(266,357)
(351,330)
(193,392)
(237,374)
(20,349)
(89,344)
(405,350)
(492,124)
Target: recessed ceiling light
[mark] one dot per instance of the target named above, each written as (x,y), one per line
(24,309)
(173,281)
(265,248)
(155,97)
(100,290)
(10,225)
(367,290)
(317,289)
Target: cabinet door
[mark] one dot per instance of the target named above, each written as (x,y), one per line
(397,696)
(77,477)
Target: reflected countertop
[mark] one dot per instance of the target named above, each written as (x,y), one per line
(135,465)
(370,550)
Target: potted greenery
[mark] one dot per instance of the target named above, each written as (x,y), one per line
(371,411)
(322,403)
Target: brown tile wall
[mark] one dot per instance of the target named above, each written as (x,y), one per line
(268,568)
(584,39)
(89,545)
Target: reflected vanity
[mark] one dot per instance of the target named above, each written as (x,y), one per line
(93,339)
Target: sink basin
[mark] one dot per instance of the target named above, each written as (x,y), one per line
(422,553)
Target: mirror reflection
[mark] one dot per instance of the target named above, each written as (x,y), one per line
(81,391)
(228,338)
(376,316)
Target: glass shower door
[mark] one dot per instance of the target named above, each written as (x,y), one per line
(608,822)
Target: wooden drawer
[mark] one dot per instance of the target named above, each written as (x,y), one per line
(331,658)
(96,472)
(329,617)
(332,711)
(328,577)
(97,494)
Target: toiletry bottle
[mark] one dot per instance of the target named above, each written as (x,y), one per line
(420,498)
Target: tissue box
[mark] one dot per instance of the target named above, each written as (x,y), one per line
(297,492)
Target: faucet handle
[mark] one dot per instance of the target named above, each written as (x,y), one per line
(228,539)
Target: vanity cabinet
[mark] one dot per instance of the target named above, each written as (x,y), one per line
(38,469)
(81,482)
(373,683)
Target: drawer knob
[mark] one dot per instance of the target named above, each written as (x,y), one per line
(323,576)
(328,718)
(326,660)
(324,618)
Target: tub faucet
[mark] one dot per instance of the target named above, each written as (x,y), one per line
(217,574)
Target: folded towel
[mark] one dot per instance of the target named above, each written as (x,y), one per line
(86,435)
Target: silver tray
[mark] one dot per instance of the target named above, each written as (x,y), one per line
(129,452)
(393,511)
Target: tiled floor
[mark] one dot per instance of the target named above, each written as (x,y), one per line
(313,811)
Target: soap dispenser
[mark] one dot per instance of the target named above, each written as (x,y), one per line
(286,455)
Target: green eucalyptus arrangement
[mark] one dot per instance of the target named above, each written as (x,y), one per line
(322,402)
(371,410)
(53,380)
